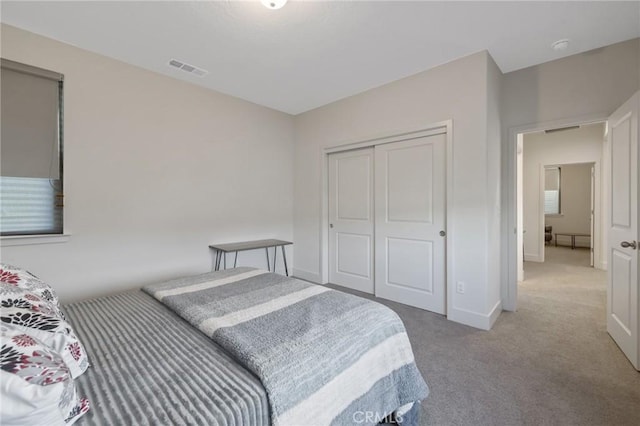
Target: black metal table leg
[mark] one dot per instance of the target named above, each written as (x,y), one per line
(266,249)
(218,254)
(284,258)
(275,253)
(235,262)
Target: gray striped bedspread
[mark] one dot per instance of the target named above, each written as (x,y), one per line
(324,356)
(150,367)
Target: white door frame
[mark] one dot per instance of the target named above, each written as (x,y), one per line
(519,207)
(592,213)
(510,269)
(445,127)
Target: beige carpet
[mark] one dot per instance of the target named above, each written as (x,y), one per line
(549,363)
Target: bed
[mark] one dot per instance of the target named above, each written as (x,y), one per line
(150,367)
(238,347)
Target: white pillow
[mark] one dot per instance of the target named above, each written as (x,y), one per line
(42,323)
(36,386)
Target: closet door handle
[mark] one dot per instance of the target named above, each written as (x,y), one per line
(627,244)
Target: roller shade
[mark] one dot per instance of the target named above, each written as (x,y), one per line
(552,178)
(30,129)
(30,150)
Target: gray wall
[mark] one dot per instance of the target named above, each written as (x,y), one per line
(576,88)
(458,91)
(594,82)
(155,171)
(494,196)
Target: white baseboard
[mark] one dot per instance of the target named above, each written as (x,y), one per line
(532,258)
(475,319)
(495,313)
(307,275)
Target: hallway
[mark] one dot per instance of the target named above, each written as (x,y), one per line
(566,275)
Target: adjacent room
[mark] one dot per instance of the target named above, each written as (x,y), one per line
(295,212)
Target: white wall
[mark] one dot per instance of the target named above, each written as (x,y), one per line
(574,89)
(457,91)
(493,158)
(155,170)
(583,145)
(575,202)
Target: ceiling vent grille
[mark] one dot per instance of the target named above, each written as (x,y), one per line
(560,129)
(187,68)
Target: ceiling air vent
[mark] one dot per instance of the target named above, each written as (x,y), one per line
(187,68)
(560,129)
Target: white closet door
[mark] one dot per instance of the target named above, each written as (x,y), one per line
(410,214)
(351,219)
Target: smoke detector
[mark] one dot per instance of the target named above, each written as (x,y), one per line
(560,45)
(273,4)
(187,68)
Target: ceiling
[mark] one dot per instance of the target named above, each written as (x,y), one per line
(311,53)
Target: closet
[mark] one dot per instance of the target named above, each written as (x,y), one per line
(387,220)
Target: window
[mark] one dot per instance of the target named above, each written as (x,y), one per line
(31,150)
(552,190)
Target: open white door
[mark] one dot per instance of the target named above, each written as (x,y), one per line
(410,217)
(351,219)
(622,286)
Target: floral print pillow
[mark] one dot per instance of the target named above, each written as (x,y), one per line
(37,387)
(31,306)
(39,319)
(15,280)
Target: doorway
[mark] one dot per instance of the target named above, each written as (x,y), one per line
(619,233)
(560,194)
(568,213)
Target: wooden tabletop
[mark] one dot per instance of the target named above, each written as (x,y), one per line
(249,245)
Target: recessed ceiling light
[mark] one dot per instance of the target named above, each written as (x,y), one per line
(273,4)
(560,45)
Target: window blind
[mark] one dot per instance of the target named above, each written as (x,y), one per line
(552,190)
(30,206)
(551,202)
(31,150)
